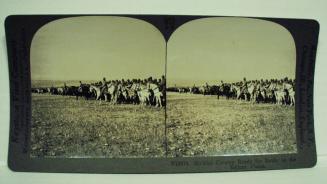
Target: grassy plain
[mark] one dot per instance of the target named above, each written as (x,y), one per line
(65,127)
(196,125)
(200,125)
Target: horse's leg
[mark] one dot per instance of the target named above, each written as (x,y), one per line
(147,99)
(115,99)
(156,103)
(97,95)
(158,100)
(112,98)
(142,100)
(239,96)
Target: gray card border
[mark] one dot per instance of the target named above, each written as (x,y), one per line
(20,30)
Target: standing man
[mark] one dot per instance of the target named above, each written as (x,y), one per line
(104,85)
(244,88)
(65,91)
(221,89)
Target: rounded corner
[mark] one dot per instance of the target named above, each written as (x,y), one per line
(312,163)
(315,23)
(8,19)
(12,166)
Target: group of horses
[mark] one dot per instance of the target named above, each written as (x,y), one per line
(152,92)
(275,91)
(144,92)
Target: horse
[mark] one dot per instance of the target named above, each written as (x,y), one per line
(114,92)
(122,94)
(108,91)
(125,95)
(83,90)
(251,92)
(195,90)
(202,90)
(95,90)
(60,91)
(156,94)
(244,91)
(280,94)
(53,91)
(270,93)
(290,93)
(143,94)
(224,90)
(236,90)
(132,93)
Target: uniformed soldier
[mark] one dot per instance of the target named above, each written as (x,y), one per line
(222,84)
(104,84)
(104,81)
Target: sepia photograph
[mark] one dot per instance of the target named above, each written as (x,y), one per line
(230,88)
(98,87)
(160,93)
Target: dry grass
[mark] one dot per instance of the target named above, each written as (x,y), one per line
(65,127)
(196,126)
(203,125)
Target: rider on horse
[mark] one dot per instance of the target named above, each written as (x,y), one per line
(244,86)
(104,84)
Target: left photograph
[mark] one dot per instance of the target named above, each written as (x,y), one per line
(98,88)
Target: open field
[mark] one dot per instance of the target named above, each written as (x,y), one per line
(205,126)
(197,125)
(65,127)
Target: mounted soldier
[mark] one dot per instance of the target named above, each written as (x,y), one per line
(104,84)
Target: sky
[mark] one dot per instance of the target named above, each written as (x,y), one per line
(199,51)
(90,48)
(214,49)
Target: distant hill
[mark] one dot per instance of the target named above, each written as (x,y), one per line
(58,83)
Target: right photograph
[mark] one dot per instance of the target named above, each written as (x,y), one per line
(230,88)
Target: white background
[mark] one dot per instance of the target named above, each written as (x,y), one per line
(312,9)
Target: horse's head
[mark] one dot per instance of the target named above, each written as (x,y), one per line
(80,89)
(91,89)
